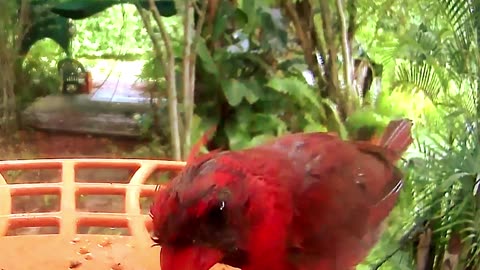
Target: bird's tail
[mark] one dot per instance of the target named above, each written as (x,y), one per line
(397,137)
(198,145)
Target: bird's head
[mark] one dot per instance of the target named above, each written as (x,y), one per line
(198,221)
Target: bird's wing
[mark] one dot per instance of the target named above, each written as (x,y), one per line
(342,194)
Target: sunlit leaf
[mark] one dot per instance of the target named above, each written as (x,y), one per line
(206,57)
(235,91)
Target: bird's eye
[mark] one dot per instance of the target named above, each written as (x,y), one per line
(222,205)
(216,216)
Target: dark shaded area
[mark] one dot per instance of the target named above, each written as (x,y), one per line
(45,24)
(83,9)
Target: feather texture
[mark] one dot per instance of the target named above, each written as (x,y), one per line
(302,201)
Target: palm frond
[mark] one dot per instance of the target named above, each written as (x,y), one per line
(427,45)
(458,13)
(421,77)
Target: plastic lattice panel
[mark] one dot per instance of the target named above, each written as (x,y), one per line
(68,218)
(69,249)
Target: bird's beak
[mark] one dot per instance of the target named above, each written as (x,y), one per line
(189,258)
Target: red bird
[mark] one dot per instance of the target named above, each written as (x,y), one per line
(307,201)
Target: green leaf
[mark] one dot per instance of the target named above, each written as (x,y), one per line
(296,88)
(423,77)
(452,179)
(249,7)
(251,97)
(275,34)
(238,137)
(313,126)
(199,128)
(224,12)
(259,139)
(234,91)
(241,18)
(341,129)
(253,92)
(267,123)
(366,118)
(206,57)
(287,85)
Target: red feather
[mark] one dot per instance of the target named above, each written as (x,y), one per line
(303,201)
(198,145)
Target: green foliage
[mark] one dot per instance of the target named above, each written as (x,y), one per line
(38,76)
(236,91)
(254,100)
(117,32)
(248,128)
(155,147)
(437,57)
(13,22)
(247,63)
(305,97)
